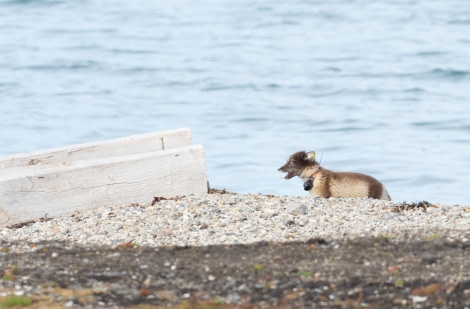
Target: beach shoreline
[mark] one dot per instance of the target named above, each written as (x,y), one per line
(226,250)
(224,218)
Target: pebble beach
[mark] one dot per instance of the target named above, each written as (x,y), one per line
(227,218)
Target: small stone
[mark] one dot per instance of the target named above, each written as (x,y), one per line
(19,292)
(166,294)
(289,222)
(113,255)
(297,209)
(230,200)
(418,299)
(69,303)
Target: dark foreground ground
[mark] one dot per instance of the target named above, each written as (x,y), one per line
(365,273)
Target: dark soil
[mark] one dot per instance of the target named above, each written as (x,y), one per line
(365,273)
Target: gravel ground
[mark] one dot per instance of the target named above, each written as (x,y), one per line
(220,219)
(228,250)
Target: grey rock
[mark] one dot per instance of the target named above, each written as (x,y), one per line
(296,209)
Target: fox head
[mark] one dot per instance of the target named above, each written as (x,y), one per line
(298,163)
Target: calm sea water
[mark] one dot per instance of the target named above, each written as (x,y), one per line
(380,87)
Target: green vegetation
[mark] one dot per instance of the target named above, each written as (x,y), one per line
(10,274)
(15,301)
(305,274)
(399,283)
(258,266)
(15,270)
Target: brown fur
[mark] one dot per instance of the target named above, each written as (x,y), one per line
(328,183)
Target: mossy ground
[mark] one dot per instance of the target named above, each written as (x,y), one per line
(365,273)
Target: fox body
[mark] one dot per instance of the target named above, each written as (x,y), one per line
(322,182)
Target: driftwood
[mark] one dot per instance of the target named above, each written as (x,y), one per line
(126,170)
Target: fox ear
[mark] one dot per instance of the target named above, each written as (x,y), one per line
(311,155)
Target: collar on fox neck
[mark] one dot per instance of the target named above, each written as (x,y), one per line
(314,175)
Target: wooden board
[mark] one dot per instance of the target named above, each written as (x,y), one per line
(102,149)
(63,186)
(88,184)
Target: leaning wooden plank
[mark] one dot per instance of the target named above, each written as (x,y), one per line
(83,185)
(113,147)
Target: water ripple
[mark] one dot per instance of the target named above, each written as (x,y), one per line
(63,65)
(449,74)
(379,87)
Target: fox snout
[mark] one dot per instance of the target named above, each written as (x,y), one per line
(290,170)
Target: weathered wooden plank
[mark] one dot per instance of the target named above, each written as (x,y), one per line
(141,143)
(57,190)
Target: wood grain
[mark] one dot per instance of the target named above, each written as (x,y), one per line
(64,186)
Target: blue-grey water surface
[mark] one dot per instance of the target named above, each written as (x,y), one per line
(380,87)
